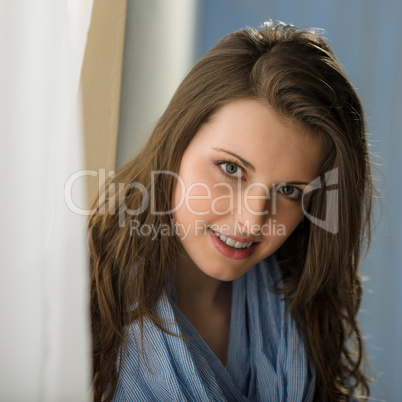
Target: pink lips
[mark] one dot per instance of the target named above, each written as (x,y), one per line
(230,252)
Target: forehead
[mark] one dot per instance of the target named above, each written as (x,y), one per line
(259,135)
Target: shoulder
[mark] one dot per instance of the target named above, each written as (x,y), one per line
(148,369)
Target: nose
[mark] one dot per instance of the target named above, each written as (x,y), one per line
(252,209)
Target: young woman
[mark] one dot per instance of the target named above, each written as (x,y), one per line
(225,255)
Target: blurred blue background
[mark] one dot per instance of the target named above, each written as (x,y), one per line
(365,35)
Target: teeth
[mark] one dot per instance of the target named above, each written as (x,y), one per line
(231,242)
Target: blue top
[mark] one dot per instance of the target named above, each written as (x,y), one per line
(267,360)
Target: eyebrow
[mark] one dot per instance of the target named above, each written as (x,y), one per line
(245,163)
(295,183)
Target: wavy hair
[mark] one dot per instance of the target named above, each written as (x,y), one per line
(297,74)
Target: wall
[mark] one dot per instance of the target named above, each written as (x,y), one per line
(157,55)
(101,87)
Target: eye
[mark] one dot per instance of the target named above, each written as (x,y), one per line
(232,169)
(291,192)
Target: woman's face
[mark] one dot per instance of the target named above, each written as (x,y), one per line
(239,192)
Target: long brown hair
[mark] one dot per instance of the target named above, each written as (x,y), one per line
(296,73)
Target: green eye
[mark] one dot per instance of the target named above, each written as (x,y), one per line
(231,168)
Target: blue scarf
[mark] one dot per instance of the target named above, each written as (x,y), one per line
(267,360)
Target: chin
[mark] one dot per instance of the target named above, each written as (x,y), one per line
(226,275)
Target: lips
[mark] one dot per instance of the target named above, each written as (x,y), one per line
(230,242)
(230,251)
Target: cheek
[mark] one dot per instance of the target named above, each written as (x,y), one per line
(192,197)
(223,198)
(199,190)
(197,199)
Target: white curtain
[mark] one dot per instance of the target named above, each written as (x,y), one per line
(44,337)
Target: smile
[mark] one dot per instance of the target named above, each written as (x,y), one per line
(234,244)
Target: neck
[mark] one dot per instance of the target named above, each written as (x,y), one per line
(196,289)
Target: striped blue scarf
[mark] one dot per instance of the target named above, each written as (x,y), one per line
(267,360)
